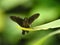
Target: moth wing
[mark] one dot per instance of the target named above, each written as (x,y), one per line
(17,20)
(32,18)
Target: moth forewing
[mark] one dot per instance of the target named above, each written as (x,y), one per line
(17,20)
(33,17)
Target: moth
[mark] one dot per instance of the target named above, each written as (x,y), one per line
(26,22)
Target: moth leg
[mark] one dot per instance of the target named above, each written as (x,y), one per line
(27,31)
(23,32)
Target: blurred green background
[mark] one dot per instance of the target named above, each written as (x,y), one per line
(49,11)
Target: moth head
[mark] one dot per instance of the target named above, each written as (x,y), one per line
(25,19)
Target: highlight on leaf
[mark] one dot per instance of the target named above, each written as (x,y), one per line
(43,27)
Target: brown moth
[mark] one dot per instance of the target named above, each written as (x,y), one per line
(26,22)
